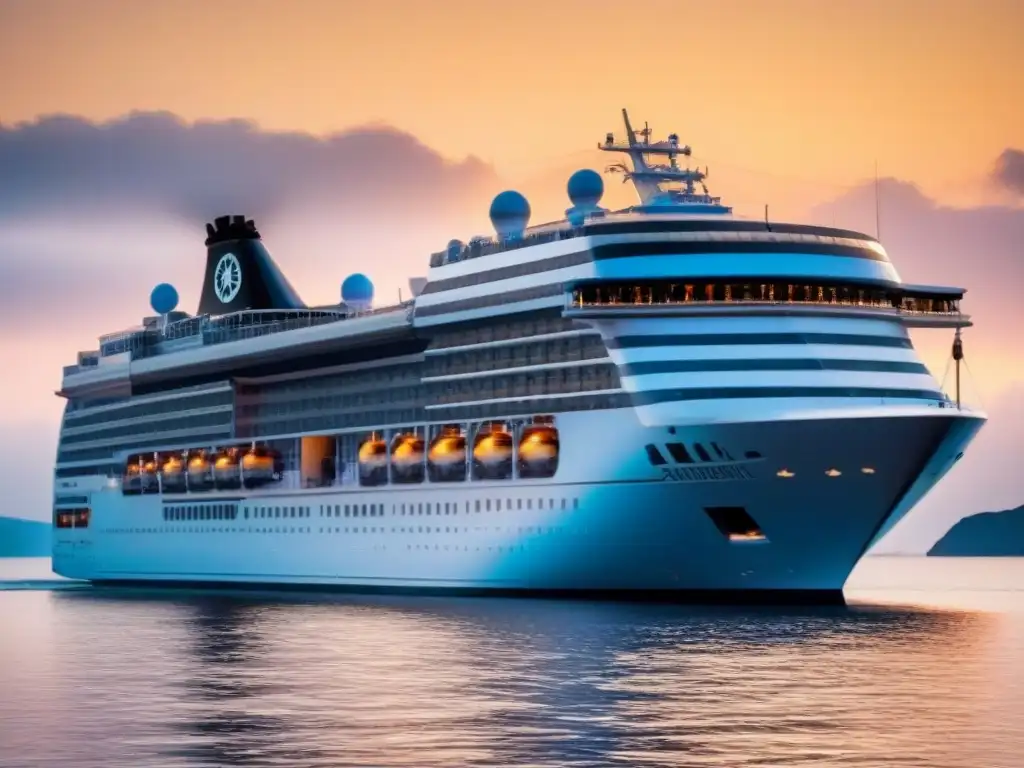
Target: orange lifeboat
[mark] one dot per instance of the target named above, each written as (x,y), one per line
(261,466)
(199,471)
(226,469)
(172,473)
(538,451)
(446,461)
(407,458)
(373,460)
(492,452)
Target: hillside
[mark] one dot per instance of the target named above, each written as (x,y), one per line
(987,534)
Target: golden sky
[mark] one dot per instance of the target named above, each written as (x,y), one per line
(795,88)
(790,102)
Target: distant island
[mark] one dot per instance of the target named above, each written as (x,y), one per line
(24,538)
(987,534)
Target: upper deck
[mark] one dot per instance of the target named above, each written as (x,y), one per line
(638,225)
(226,341)
(679,250)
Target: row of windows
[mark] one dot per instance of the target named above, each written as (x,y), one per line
(516,407)
(603,378)
(88,471)
(570,349)
(150,341)
(263,512)
(230,511)
(519,269)
(64,499)
(500,331)
(349,381)
(337,403)
(317,414)
(483,247)
(75,406)
(783,237)
(81,418)
(495,300)
(420,529)
(315,420)
(682,292)
(71,518)
(201,512)
(206,438)
(587,378)
(170,422)
(448,507)
(216,335)
(353,399)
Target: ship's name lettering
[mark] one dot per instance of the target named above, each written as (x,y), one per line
(705,474)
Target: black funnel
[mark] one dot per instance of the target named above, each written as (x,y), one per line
(240,274)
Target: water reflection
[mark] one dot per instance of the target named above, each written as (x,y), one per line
(223,646)
(173,679)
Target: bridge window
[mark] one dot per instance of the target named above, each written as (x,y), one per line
(71,518)
(754,290)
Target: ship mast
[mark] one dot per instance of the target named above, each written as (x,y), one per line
(662,184)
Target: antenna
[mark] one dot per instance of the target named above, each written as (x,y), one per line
(656,182)
(878,221)
(766,222)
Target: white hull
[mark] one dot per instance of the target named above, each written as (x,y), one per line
(610,522)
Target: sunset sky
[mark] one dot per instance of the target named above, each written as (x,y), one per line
(790,103)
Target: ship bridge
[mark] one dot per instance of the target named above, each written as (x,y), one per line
(679,251)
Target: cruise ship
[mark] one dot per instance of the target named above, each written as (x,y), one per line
(663,402)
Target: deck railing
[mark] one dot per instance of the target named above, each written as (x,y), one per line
(902,309)
(209,330)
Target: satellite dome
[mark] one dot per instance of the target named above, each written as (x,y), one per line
(163,299)
(510,213)
(585,188)
(357,291)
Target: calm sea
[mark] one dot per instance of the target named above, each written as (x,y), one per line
(927,669)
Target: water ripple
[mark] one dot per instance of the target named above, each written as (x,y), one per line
(179,680)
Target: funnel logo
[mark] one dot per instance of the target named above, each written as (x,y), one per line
(227,278)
